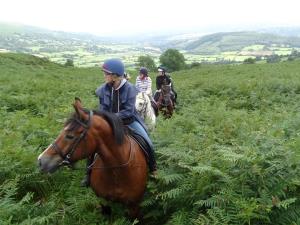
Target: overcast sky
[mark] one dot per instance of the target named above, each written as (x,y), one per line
(106,17)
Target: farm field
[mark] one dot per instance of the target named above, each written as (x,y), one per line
(88,50)
(229,155)
(130,54)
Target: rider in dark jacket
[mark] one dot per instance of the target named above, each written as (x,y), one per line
(118,96)
(164,78)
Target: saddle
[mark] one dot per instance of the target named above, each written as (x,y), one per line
(146,149)
(140,141)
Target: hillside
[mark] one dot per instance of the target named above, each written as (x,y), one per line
(229,155)
(283,31)
(236,41)
(84,49)
(88,50)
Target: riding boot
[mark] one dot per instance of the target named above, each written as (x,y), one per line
(85,182)
(152,161)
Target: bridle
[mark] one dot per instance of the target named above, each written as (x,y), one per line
(164,99)
(67,156)
(72,148)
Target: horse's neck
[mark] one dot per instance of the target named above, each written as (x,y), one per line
(113,154)
(146,101)
(148,105)
(106,146)
(161,96)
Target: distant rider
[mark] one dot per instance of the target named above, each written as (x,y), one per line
(143,82)
(164,78)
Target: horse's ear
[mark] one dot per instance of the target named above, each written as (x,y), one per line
(79,109)
(77,99)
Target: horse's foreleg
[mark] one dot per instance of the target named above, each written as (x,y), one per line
(170,110)
(134,211)
(105,210)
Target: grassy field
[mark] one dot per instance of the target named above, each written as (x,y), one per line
(229,155)
(83,58)
(130,55)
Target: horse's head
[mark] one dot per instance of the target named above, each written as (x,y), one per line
(83,135)
(141,102)
(166,94)
(71,144)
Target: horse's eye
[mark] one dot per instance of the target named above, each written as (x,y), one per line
(69,136)
(140,104)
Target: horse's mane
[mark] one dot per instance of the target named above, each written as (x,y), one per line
(114,121)
(143,96)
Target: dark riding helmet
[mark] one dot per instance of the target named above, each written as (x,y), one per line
(113,66)
(162,69)
(144,71)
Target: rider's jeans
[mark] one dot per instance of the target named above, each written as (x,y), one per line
(138,128)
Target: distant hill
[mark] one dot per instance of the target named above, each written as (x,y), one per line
(11,28)
(85,49)
(89,50)
(8,29)
(282,31)
(233,41)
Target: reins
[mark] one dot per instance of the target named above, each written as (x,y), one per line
(116,166)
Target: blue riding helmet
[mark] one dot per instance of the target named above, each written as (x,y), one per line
(113,66)
(144,71)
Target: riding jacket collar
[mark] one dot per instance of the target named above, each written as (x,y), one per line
(123,81)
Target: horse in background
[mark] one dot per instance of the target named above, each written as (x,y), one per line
(165,102)
(119,169)
(145,110)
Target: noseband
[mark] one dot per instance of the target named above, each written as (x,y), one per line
(67,157)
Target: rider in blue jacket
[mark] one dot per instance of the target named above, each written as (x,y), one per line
(118,96)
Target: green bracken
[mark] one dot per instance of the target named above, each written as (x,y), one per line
(229,155)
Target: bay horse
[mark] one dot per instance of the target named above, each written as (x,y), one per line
(119,169)
(145,110)
(165,103)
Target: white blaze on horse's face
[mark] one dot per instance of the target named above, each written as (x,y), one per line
(140,103)
(48,161)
